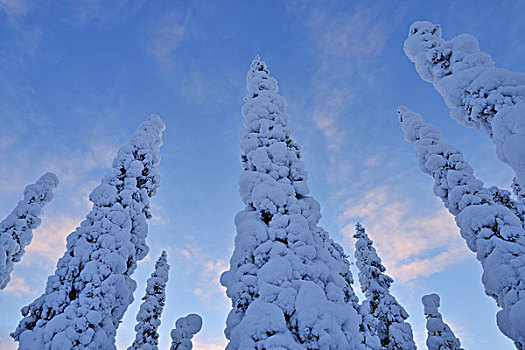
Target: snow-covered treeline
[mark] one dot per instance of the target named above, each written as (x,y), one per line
(491,229)
(478,93)
(289,283)
(85,299)
(16,231)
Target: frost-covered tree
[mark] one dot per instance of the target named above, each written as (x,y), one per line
(440,336)
(491,230)
(185,329)
(85,299)
(289,283)
(478,93)
(148,317)
(388,317)
(16,231)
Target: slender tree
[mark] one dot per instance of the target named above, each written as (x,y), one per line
(289,283)
(478,93)
(493,231)
(91,288)
(16,231)
(387,315)
(440,336)
(185,329)
(148,317)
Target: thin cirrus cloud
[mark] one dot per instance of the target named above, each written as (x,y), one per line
(207,343)
(410,245)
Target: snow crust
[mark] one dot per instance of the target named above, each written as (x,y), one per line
(440,336)
(290,284)
(382,314)
(490,225)
(479,94)
(86,297)
(185,329)
(16,230)
(148,317)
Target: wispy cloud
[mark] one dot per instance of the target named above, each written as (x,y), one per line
(410,245)
(18,287)
(209,343)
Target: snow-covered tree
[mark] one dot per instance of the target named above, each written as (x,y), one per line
(148,317)
(387,315)
(478,93)
(91,288)
(289,283)
(440,336)
(16,231)
(185,329)
(491,230)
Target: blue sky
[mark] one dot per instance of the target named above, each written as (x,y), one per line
(77,77)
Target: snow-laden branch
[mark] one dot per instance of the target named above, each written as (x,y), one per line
(16,231)
(493,231)
(85,299)
(478,93)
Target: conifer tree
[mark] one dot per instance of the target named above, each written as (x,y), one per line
(148,317)
(85,299)
(388,317)
(185,329)
(440,336)
(290,284)
(16,231)
(479,94)
(491,230)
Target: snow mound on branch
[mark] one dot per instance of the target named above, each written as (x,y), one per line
(289,283)
(479,94)
(185,329)
(491,227)
(85,299)
(440,336)
(16,231)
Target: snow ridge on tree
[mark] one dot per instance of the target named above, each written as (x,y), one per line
(478,93)
(16,231)
(148,317)
(91,288)
(185,329)
(290,284)
(380,309)
(491,230)
(439,334)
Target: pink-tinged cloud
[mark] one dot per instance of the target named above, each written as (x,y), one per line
(209,343)
(410,246)
(165,36)
(17,287)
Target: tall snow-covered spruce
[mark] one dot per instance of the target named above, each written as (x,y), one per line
(440,336)
(490,228)
(380,309)
(478,93)
(148,317)
(16,231)
(289,283)
(91,289)
(185,329)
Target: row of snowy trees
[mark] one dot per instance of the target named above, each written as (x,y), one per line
(491,220)
(290,284)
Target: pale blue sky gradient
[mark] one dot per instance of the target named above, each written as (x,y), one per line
(78,77)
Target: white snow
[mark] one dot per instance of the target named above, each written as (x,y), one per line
(382,314)
(16,231)
(440,336)
(185,329)
(478,93)
(85,299)
(148,317)
(491,227)
(289,283)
